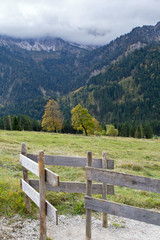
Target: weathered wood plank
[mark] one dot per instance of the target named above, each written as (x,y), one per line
(33,194)
(110,164)
(73,187)
(122,179)
(71,161)
(52,212)
(51,177)
(61,160)
(104,189)
(89,193)
(29,164)
(122,210)
(65,161)
(25,177)
(33,157)
(42,195)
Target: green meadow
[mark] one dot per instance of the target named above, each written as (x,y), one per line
(135,156)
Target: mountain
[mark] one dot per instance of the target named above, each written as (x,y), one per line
(40,44)
(128,90)
(34,70)
(138,38)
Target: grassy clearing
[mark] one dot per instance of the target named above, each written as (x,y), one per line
(135,156)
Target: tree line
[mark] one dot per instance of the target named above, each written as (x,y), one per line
(19,123)
(81,122)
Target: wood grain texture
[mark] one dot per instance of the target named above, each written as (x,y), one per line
(25,177)
(73,187)
(71,161)
(51,177)
(29,164)
(52,212)
(24,149)
(88,193)
(122,210)
(32,194)
(104,190)
(122,179)
(42,196)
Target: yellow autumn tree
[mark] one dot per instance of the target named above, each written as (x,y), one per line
(96,129)
(52,118)
(81,119)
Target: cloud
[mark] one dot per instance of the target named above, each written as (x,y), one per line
(88,22)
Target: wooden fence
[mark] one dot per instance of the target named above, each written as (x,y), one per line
(45,176)
(119,179)
(49,181)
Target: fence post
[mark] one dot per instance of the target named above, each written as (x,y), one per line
(25,177)
(104,189)
(88,193)
(42,192)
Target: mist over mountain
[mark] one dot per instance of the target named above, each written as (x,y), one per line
(35,70)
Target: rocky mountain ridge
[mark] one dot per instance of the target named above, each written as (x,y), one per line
(40,44)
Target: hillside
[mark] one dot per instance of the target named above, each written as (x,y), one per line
(37,69)
(34,70)
(129,89)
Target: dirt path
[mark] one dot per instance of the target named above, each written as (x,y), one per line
(70,228)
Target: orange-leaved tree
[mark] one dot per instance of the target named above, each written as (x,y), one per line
(52,118)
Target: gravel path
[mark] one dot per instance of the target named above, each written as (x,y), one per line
(70,228)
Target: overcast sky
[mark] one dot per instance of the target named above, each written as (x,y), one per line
(82,21)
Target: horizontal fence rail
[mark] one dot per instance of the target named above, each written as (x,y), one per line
(51,178)
(122,210)
(51,211)
(71,161)
(76,187)
(108,207)
(29,164)
(122,179)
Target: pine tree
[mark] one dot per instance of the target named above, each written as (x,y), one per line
(16,124)
(148,131)
(139,132)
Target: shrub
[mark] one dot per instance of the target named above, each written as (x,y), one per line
(111,131)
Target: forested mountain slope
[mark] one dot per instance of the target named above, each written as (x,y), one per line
(128,90)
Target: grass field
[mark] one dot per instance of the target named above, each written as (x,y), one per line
(135,156)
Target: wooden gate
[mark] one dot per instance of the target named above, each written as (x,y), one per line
(49,181)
